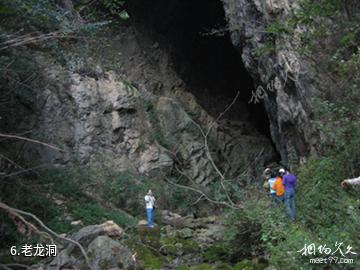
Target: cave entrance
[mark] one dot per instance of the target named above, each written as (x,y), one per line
(194,33)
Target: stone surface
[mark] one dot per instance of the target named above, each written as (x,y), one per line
(154,159)
(138,118)
(102,245)
(185,233)
(290,106)
(106,253)
(89,233)
(142,222)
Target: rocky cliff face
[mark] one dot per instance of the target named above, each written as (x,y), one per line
(289,106)
(140,117)
(140,114)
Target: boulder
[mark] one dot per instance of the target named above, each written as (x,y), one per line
(142,222)
(102,245)
(89,233)
(185,233)
(170,218)
(106,253)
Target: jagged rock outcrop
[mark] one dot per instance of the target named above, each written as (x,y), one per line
(136,118)
(105,120)
(289,107)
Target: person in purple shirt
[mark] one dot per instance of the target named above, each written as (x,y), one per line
(289,182)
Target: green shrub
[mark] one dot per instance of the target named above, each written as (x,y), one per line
(147,256)
(171,245)
(265,49)
(95,214)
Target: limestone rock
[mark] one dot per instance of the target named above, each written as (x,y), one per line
(89,233)
(185,233)
(106,253)
(170,218)
(154,159)
(142,222)
(102,245)
(290,107)
(102,118)
(76,223)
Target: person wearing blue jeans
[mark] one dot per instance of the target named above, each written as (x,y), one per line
(150,205)
(289,182)
(290,203)
(150,217)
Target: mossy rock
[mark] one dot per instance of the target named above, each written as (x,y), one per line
(182,267)
(215,253)
(222,266)
(147,258)
(243,265)
(175,245)
(150,236)
(202,267)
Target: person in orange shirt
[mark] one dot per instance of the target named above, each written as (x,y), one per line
(279,189)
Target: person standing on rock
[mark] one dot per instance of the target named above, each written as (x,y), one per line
(150,206)
(289,182)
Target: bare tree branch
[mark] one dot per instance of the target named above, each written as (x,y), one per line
(16,265)
(198,200)
(31,227)
(29,38)
(223,113)
(256,158)
(5,267)
(204,195)
(18,213)
(11,161)
(31,140)
(22,171)
(207,150)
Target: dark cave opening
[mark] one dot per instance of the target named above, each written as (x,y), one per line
(194,33)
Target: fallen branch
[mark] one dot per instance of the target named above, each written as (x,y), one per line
(16,265)
(29,38)
(31,227)
(5,267)
(18,213)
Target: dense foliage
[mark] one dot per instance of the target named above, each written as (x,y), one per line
(326,33)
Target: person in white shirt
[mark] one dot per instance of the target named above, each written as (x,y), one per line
(150,206)
(353,181)
(271,181)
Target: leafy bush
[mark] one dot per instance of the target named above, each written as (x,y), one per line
(325,31)
(115,8)
(92,213)
(265,49)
